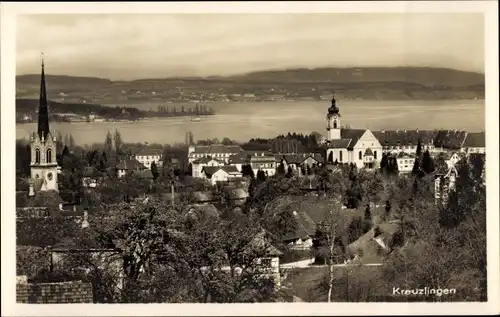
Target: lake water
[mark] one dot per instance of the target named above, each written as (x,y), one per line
(246,120)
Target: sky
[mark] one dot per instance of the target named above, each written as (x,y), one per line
(126,46)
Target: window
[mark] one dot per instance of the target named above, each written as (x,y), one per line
(375,154)
(340,156)
(49,156)
(37,156)
(335,124)
(360,155)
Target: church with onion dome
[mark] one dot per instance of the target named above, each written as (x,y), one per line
(358,146)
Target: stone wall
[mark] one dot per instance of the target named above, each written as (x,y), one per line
(54,293)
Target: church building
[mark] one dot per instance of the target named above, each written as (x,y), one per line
(43,148)
(357,146)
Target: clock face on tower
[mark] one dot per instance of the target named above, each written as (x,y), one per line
(49,176)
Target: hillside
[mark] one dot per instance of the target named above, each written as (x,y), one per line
(296,84)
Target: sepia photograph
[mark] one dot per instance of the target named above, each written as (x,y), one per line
(251,157)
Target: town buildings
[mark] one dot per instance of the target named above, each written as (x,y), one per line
(364,148)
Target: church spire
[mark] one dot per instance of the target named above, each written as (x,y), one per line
(334,110)
(43,113)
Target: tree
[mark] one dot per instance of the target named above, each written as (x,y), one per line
(368,213)
(427,163)
(384,163)
(333,227)
(417,168)
(118,142)
(261,176)
(246,170)
(387,210)
(154,170)
(281,168)
(108,144)
(72,144)
(419,149)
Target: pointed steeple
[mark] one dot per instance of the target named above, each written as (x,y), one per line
(43,112)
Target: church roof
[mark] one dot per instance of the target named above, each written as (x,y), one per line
(475,139)
(130,164)
(339,144)
(217,148)
(149,151)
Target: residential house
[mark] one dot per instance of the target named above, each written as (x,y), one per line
(220,173)
(91,177)
(305,229)
(263,161)
(296,161)
(238,160)
(129,165)
(475,142)
(453,158)
(405,161)
(147,156)
(198,165)
(217,151)
(444,182)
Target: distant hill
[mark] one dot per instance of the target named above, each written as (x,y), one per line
(418,75)
(362,82)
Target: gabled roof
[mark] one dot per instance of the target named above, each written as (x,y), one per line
(91,171)
(210,170)
(404,137)
(149,151)
(206,159)
(305,226)
(240,158)
(202,210)
(368,152)
(475,139)
(353,134)
(404,155)
(237,193)
(130,164)
(450,139)
(298,158)
(217,148)
(339,144)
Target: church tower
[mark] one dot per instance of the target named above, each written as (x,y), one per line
(43,146)
(333,122)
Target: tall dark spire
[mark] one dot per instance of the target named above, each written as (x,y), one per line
(43,112)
